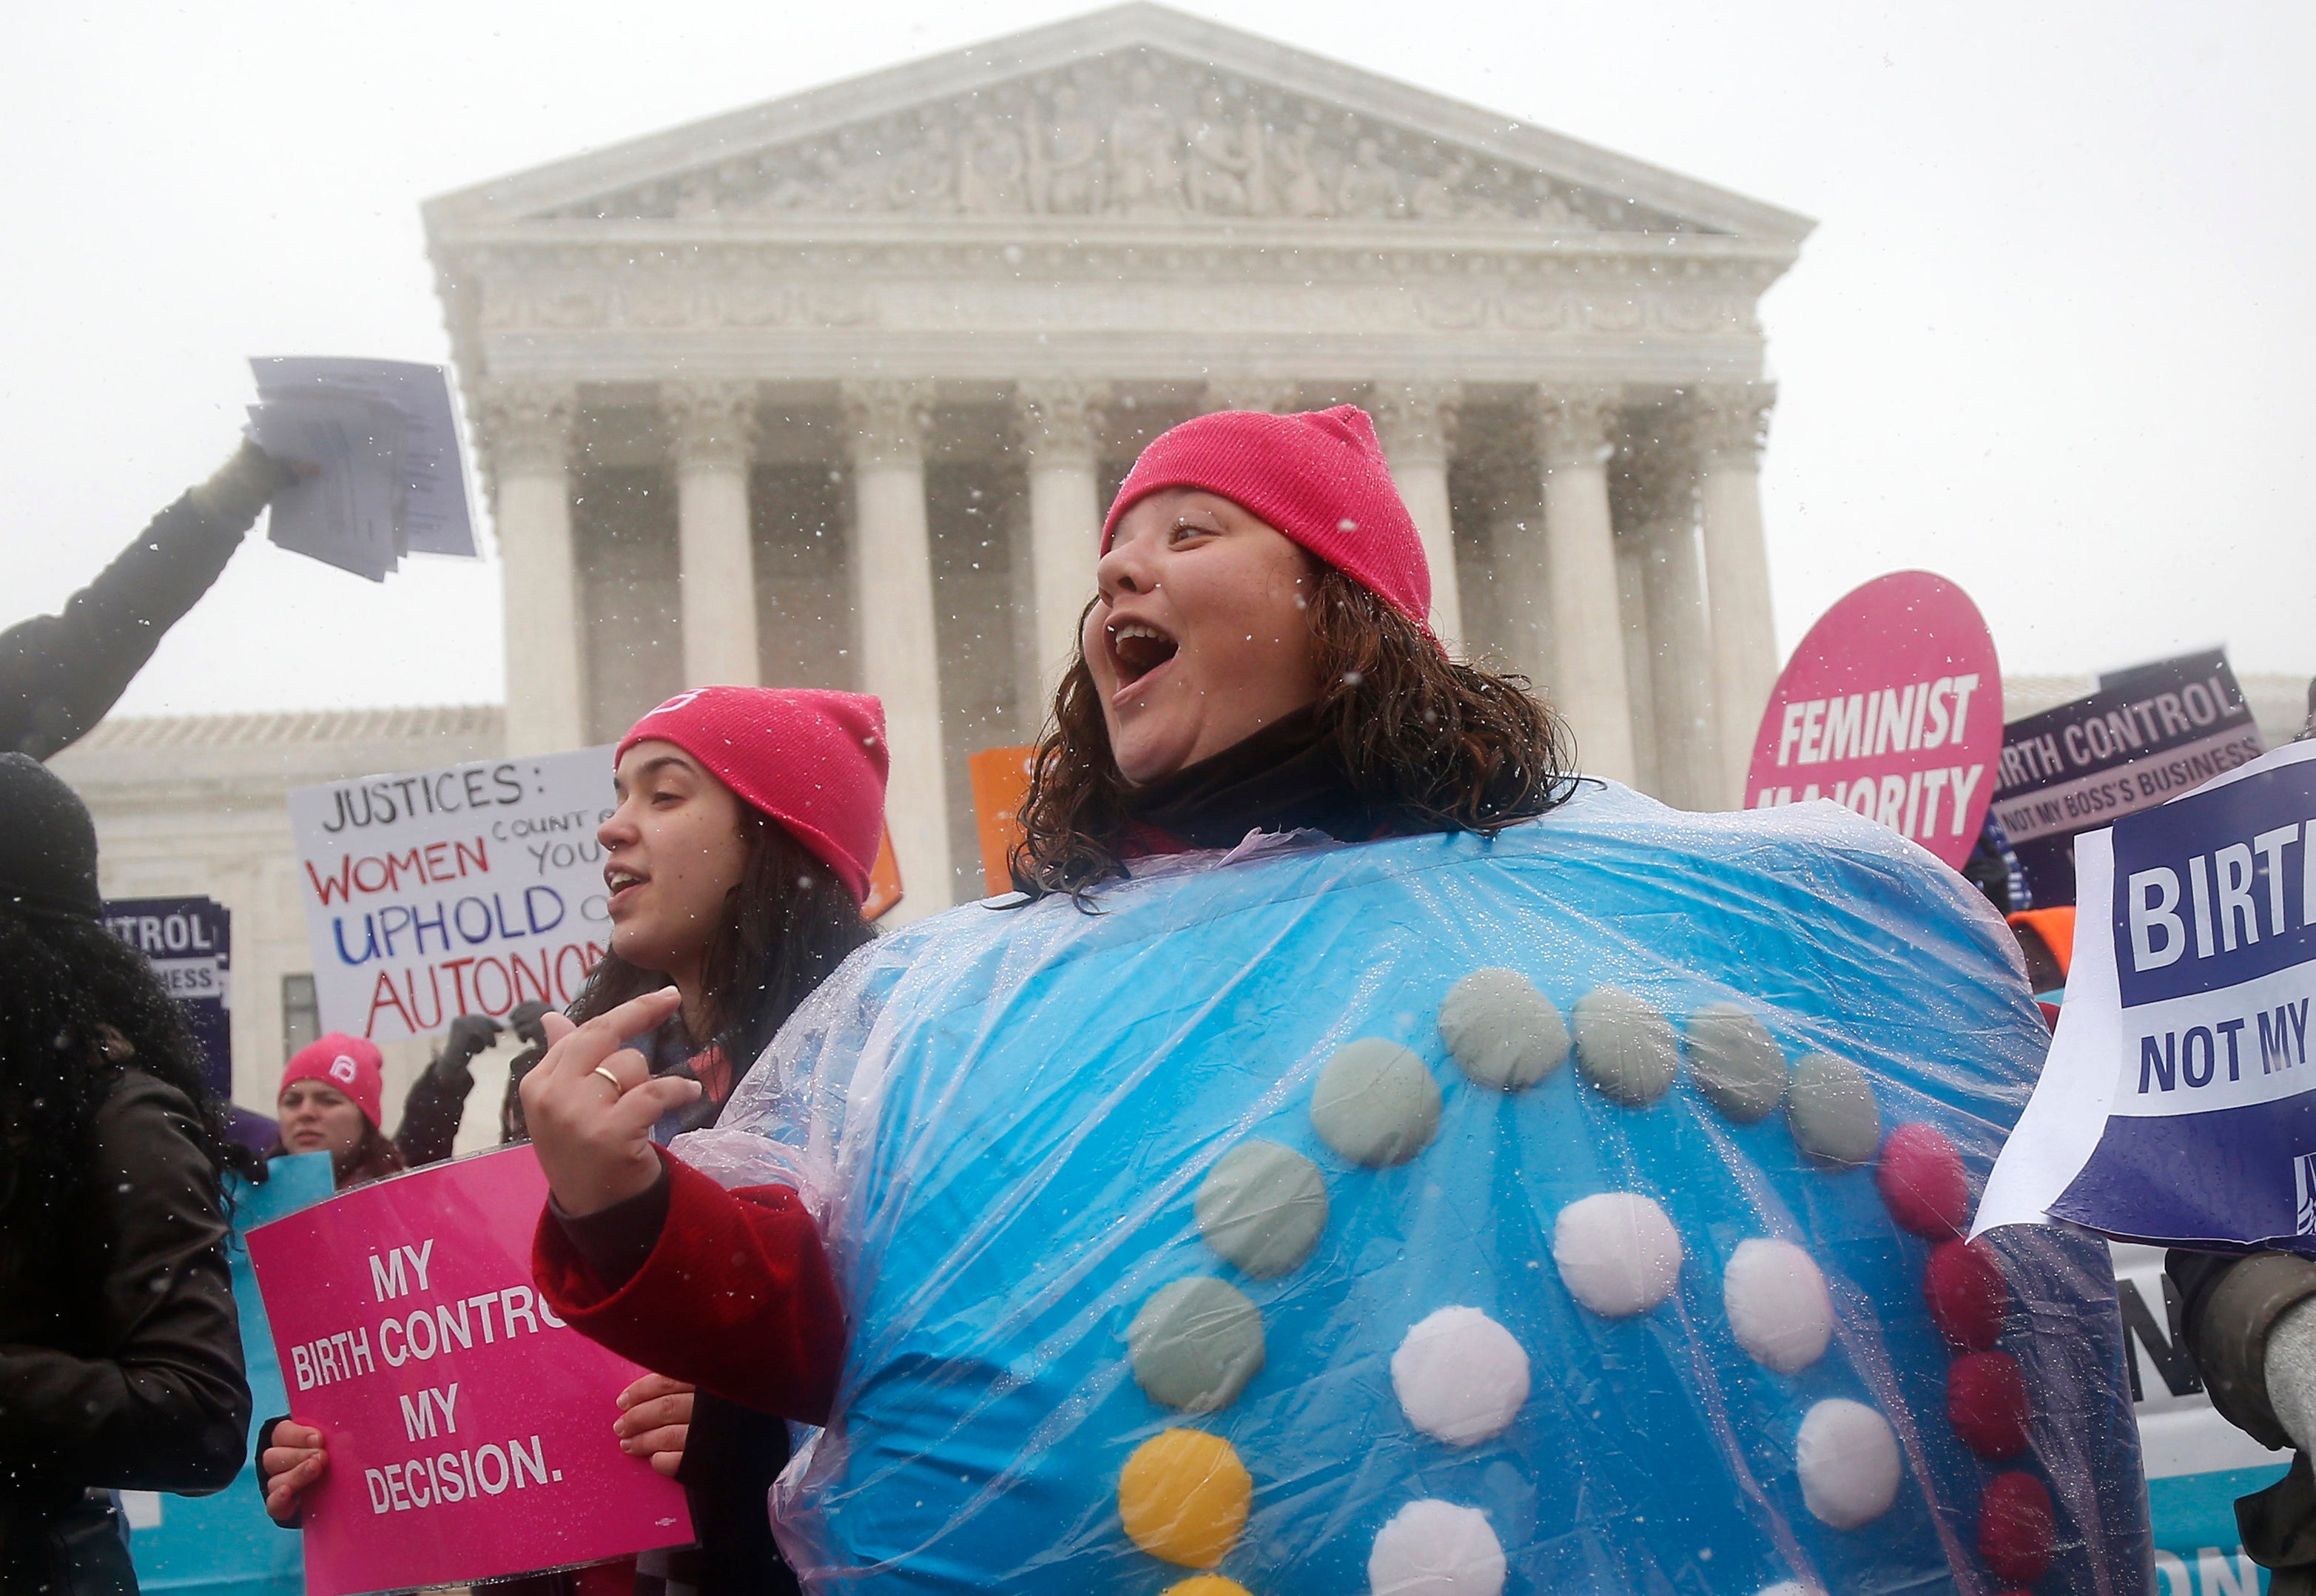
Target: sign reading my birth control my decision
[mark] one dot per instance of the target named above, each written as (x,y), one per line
(467,889)
(469,1429)
(1892,705)
(2178,1104)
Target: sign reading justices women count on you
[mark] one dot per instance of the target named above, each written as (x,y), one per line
(2178,1104)
(464,890)
(469,1429)
(1892,705)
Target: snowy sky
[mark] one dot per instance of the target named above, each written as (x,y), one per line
(2051,339)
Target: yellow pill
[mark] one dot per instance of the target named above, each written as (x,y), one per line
(1184,1496)
(1208,1585)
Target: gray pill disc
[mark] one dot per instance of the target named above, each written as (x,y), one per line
(1262,1206)
(1196,1344)
(1375,1103)
(1501,1031)
(1831,1110)
(1740,1070)
(1623,1047)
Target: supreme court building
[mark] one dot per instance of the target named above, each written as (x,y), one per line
(832,392)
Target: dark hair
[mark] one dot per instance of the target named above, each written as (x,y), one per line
(1431,744)
(79,1008)
(374,1157)
(787,925)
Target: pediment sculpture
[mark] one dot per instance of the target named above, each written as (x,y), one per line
(1132,135)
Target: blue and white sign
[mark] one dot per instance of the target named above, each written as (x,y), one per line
(189,942)
(2179,1106)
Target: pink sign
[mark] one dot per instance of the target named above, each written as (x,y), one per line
(1892,705)
(469,1429)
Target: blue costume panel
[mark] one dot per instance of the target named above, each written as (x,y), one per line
(1576,1210)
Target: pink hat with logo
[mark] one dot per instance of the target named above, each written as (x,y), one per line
(813,760)
(1319,477)
(347,1064)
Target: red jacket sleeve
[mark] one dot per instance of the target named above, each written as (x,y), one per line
(736,1296)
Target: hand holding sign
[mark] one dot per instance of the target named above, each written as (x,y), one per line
(590,1104)
(297,1458)
(654,1421)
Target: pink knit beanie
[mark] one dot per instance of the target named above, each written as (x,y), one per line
(1319,477)
(347,1064)
(814,760)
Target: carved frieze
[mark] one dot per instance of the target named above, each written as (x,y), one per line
(1132,135)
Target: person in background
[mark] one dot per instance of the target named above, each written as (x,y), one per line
(119,1349)
(738,860)
(60,673)
(2249,1324)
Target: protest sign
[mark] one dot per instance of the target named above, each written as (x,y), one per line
(1892,705)
(224,1544)
(467,889)
(469,1429)
(1001,781)
(189,943)
(2148,733)
(2177,1105)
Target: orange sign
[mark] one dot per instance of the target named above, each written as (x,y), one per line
(884,881)
(1000,781)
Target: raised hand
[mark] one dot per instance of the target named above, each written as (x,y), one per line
(592,1101)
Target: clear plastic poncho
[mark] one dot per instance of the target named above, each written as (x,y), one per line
(1570,1211)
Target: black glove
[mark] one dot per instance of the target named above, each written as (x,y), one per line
(526,1020)
(470,1034)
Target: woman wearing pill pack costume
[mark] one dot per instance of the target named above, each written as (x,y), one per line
(1398,1198)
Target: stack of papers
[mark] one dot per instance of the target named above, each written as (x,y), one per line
(382,437)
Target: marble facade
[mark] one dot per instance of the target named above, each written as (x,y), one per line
(830,392)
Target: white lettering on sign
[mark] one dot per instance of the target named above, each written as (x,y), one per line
(489,1470)
(2225,903)
(419,1415)
(1920,716)
(386,1270)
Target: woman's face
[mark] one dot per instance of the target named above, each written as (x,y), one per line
(672,852)
(318,1118)
(1201,636)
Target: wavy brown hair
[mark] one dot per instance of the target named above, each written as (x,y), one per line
(787,923)
(1430,744)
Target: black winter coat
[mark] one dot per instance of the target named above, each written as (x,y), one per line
(59,674)
(120,1348)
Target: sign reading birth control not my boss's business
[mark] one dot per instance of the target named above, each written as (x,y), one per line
(467,889)
(469,1428)
(189,943)
(2178,1102)
(2146,735)
(1892,706)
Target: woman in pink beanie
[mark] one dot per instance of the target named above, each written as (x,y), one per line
(1256,659)
(737,860)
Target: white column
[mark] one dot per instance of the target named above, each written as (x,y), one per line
(1415,421)
(1056,420)
(1588,685)
(1640,688)
(528,430)
(900,656)
(1733,425)
(1688,732)
(709,427)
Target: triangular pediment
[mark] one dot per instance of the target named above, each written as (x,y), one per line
(1136,116)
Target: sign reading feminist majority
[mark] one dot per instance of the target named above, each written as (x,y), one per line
(469,1429)
(468,889)
(2178,1104)
(1892,705)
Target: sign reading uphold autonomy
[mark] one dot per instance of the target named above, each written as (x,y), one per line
(2178,1104)
(469,1429)
(1892,705)
(2147,734)
(462,890)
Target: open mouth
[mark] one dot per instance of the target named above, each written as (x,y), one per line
(1139,649)
(619,881)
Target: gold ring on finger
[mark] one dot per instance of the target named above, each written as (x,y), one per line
(616,1090)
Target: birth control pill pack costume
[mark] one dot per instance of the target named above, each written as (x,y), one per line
(1577,1209)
